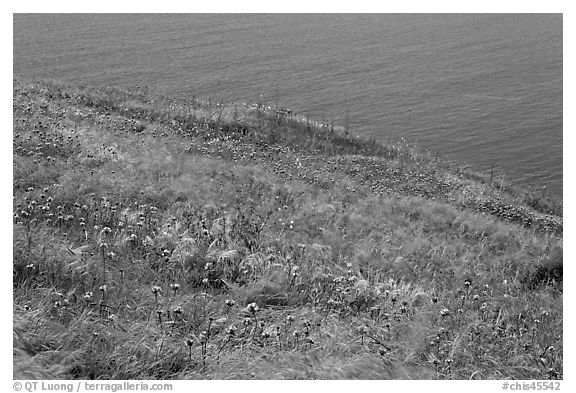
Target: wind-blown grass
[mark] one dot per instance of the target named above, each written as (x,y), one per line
(156,238)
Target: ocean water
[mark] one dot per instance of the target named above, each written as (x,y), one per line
(476,89)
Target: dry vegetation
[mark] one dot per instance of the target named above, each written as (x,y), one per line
(156,238)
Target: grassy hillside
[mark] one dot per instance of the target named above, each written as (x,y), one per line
(162,238)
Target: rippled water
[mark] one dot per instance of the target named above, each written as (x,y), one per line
(481,90)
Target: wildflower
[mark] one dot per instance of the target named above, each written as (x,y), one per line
(229,302)
(296,333)
(290,318)
(189,342)
(30,266)
(205,281)
(231,330)
(475,297)
(247,322)
(252,308)
(88,295)
(203,337)
(178,310)
(156,290)
(175,287)
(444,312)
(467,283)
(103,288)
(57,304)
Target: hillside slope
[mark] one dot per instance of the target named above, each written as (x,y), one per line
(162,238)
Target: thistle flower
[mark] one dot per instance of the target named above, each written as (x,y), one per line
(203,337)
(253,308)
